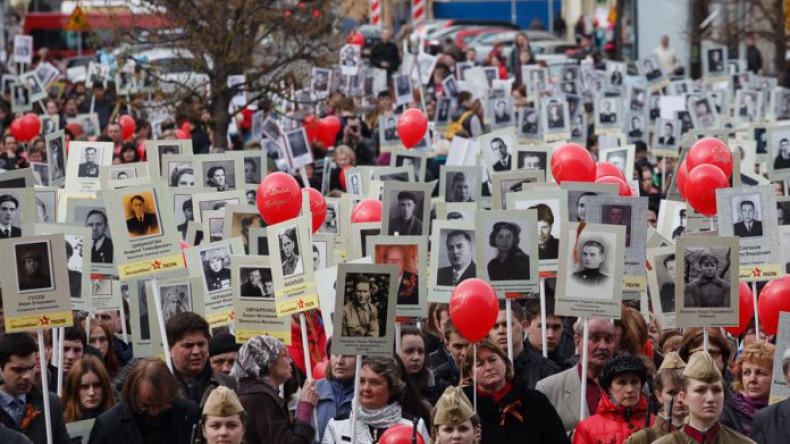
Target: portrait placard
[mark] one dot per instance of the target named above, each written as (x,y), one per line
(84,160)
(23,49)
(214,224)
(533,158)
(142,320)
(212,263)
(750,214)
(202,202)
(714,66)
(581,193)
(293,279)
(18,209)
(388,134)
(392,174)
(105,294)
(146,235)
(365,314)
(622,157)
(589,282)
(779,389)
(36,284)
(222,172)
(552,211)
(460,183)
(239,220)
(661,282)
(673,220)
(415,159)
(409,255)
(360,237)
(608,115)
(92,214)
(555,118)
(79,244)
(706,291)
(177,295)
(778,151)
(452,259)
(56,157)
(118,176)
(510,252)
(298,148)
(323,251)
(253,300)
(407,208)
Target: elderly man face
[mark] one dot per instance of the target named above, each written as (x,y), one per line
(459,251)
(395,256)
(592,257)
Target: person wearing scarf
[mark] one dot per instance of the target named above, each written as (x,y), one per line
(262,364)
(622,408)
(508,409)
(703,393)
(380,389)
(751,387)
(668,384)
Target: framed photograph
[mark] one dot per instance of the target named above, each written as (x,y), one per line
(331,221)
(501,112)
(17,209)
(350,57)
(713,62)
(590,281)
(460,183)
(212,262)
(298,149)
(453,260)
(749,213)
(219,173)
(82,170)
(203,202)
(661,277)
(511,253)
(23,49)
(403,89)
(365,309)
(323,253)
(667,137)
(38,279)
(253,300)
(155,151)
(783,211)
(703,113)
(778,144)
(555,116)
(293,279)
(636,129)
(442,116)
(748,105)
(388,133)
(410,158)
(176,295)
(630,213)
(92,214)
(552,211)
(706,291)
(580,195)
(392,174)
(650,68)
(320,82)
(608,114)
(533,158)
(20,99)
(361,236)
(511,182)
(499,146)
(78,244)
(615,73)
(579,128)
(406,206)
(529,123)
(409,255)
(239,220)
(182,170)
(673,220)
(535,78)
(36,90)
(622,157)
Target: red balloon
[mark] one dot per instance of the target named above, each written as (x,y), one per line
(474,308)
(326,134)
(683,174)
(181,135)
(311,128)
(128,127)
(279,198)
(624,190)
(356,39)
(31,126)
(141,150)
(343,176)
(317,207)
(712,151)
(186,127)
(412,126)
(745,310)
(319,369)
(774,298)
(572,163)
(332,124)
(17,131)
(603,169)
(701,186)
(367,210)
(400,434)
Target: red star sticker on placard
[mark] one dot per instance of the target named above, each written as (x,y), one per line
(44,320)
(231,316)
(156,264)
(301,304)
(757,272)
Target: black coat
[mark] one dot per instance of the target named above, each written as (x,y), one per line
(772,424)
(539,421)
(8,436)
(530,366)
(36,430)
(119,424)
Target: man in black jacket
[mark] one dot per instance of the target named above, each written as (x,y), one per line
(385,54)
(20,399)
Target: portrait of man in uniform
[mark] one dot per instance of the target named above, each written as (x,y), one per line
(708,289)
(33,266)
(360,315)
(89,167)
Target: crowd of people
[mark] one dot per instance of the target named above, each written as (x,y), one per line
(643,383)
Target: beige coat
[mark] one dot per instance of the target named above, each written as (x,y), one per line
(564,393)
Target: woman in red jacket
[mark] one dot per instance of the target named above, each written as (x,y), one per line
(622,409)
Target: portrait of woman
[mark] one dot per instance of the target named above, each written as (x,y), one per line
(510,263)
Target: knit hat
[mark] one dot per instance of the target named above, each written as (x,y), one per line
(702,368)
(222,343)
(257,356)
(622,363)
(222,402)
(453,408)
(672,361)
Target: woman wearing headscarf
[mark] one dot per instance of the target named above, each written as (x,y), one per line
(223,418)
(380,391)
(262,364)
(622,408)
(454,419)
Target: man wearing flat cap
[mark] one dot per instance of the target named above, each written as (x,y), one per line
(703,393)
(406,223)
(31,276)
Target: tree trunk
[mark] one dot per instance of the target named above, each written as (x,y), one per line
(698,12)
(221,118)
(618,30)
(780,64)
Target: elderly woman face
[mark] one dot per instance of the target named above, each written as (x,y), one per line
(626,388)
(504,240)
(223,430)
(756,379)
(491,370)
(374,390)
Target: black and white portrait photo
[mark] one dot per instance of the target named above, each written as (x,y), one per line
(703,114)
(406,213)
(56,157)
(123,173)
(529,123)
(290,250)
(176,298)
(349,59)
(330,221)
(503,112)
(618,158)
(141,215)
(167,148)
(456,257)
(507,255)
(219,174)
(10,214)
(615,72)
(365,301)
(651,68)
(578,201)
(715,61)
(442,116)
(667,133)
(461,186)
(499,149)
(403,93)
(781,153)
(388,130)
(33,262)
(747,105)
(636,127)
(706,277)
(96,220)
(216,271)
(746,210)
(555,116)
(536,79)
(252,170)
(608,112)
(256,282)
(89,162)
(298,148)
(320,82)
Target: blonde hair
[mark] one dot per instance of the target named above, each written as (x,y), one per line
(345,149)
(755,353)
